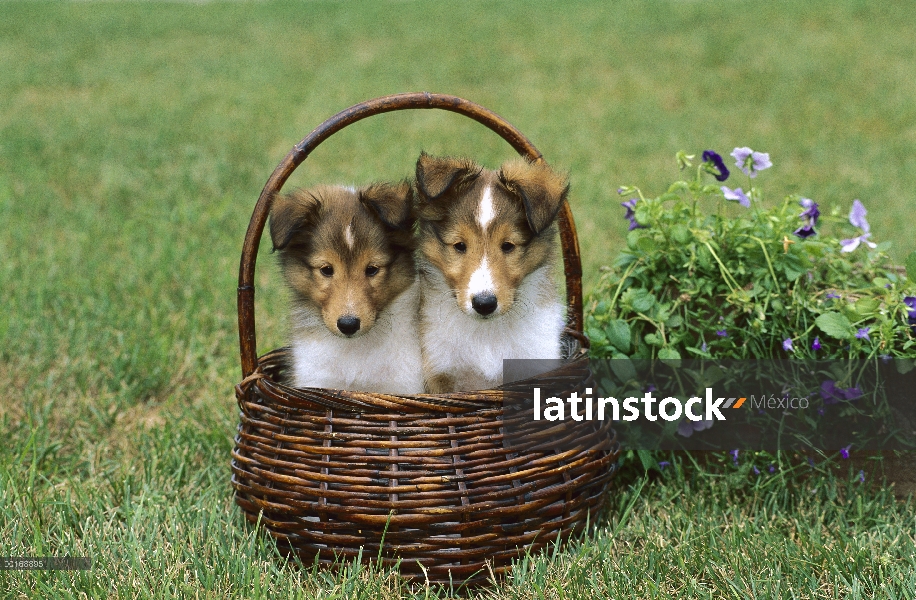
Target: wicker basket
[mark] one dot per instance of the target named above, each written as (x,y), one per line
(430,480)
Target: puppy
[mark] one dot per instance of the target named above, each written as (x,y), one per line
(487,253)
(347,257)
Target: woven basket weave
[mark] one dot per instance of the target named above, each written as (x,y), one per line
(431,480)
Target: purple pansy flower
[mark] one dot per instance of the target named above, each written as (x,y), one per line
(844,452)
(833,394)
(756,471)
(737,195)
(630,205)
(862,334)
(810,461)
(704,347)
(853,243)
(721,333)
(832,296)
(771,469)
(714,160)
(734,454)
(805,231)
(811,211)
(787,344)
(861,476)
(820,411)
(663,463)
(910,302)
(686,427)
(816,344)
(857,218)
(750,162)
(810,214)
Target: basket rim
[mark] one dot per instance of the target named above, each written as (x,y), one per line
(472,402)
(412,100)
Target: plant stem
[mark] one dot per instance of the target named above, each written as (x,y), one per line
(733,284)
(620,285)
(766,255)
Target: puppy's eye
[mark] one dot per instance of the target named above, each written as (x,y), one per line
(326,270)
(507,247)
(460,247)
(371,271)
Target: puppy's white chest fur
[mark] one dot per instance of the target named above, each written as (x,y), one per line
(386,359)
(471,350)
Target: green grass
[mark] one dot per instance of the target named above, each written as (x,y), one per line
(135,138)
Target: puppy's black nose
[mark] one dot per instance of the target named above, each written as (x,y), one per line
(348,325)
(484,303)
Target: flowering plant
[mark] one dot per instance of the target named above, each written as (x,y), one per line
(704,278)
(714,270)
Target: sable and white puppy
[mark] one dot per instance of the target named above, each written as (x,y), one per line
(487,246)
(347,256)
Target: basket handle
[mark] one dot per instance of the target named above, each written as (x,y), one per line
(571,261)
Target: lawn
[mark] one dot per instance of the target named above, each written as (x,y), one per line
(135,138)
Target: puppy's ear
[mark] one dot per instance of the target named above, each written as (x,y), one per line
(436,175)
(541,190)
(290,214)
(392,203)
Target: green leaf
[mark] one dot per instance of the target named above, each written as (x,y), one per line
(904,365)
(618,333)
(911,267)
(642,214)
(623,368)
(624,260)
(653,339)
(866,306)
(642,301)
(850,312)
(674,322)
(712,375)
(596,336)
(792,274)
(816,249)
(835,325)
(681,234)
(646,244)
(704,257)
(669,354)
(645,457)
